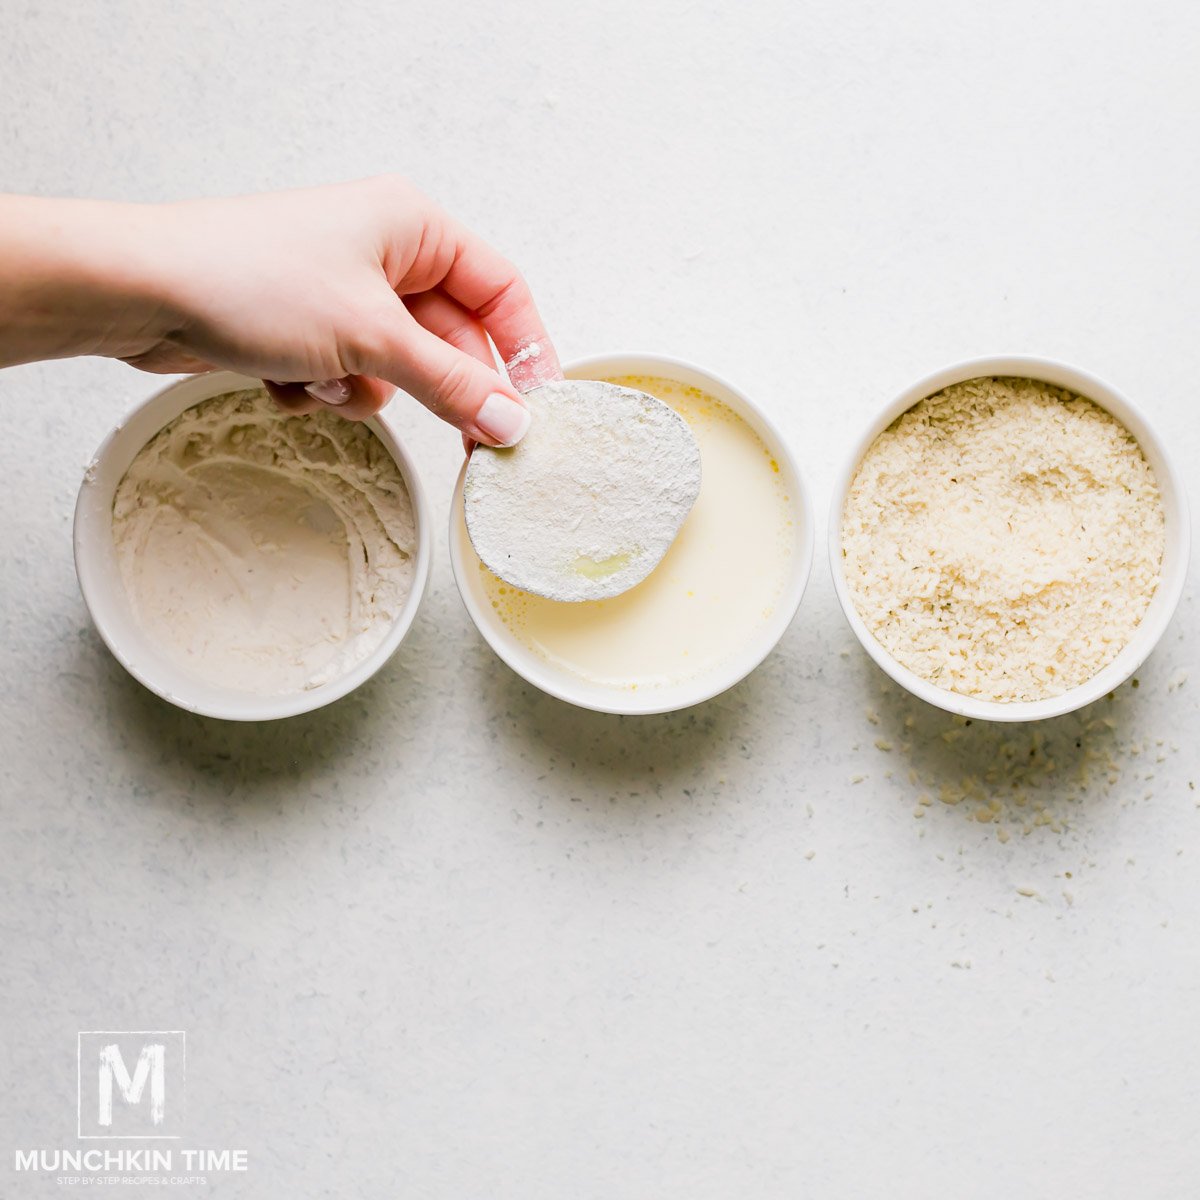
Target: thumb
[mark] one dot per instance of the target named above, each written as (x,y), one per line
(458,388)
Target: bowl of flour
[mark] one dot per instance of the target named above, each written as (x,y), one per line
(245,563)
(1009,539)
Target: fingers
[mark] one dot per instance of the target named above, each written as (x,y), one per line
(164,359)
(363,396)
(358,396)
(450,258)
(447,319)
(487,284)
(454,383)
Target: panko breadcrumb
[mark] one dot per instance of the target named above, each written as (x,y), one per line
(1003,538)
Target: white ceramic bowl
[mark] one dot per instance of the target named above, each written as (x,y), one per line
(104,592)
(1175,552)
(582,692)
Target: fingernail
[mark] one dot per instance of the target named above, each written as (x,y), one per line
(329,391)
(503,419)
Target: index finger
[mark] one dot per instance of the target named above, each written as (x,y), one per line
(484,281)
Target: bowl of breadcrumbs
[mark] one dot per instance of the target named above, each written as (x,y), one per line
(1009,539)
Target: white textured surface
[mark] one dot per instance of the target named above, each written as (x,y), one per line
(451,938)
(605,473)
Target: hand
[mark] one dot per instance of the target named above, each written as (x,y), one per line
(353,289)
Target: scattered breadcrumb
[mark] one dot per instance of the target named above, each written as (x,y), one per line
(1022,778)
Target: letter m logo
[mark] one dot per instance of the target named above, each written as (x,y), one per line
(131,1083)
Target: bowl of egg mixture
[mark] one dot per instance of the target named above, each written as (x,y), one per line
(245,563)
(715,605)
(1009,539)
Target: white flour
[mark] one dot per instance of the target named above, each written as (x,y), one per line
(588,502)
(533,350)
(263,552)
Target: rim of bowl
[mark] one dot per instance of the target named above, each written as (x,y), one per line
(650,701)
(104,591)
(1176,547)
